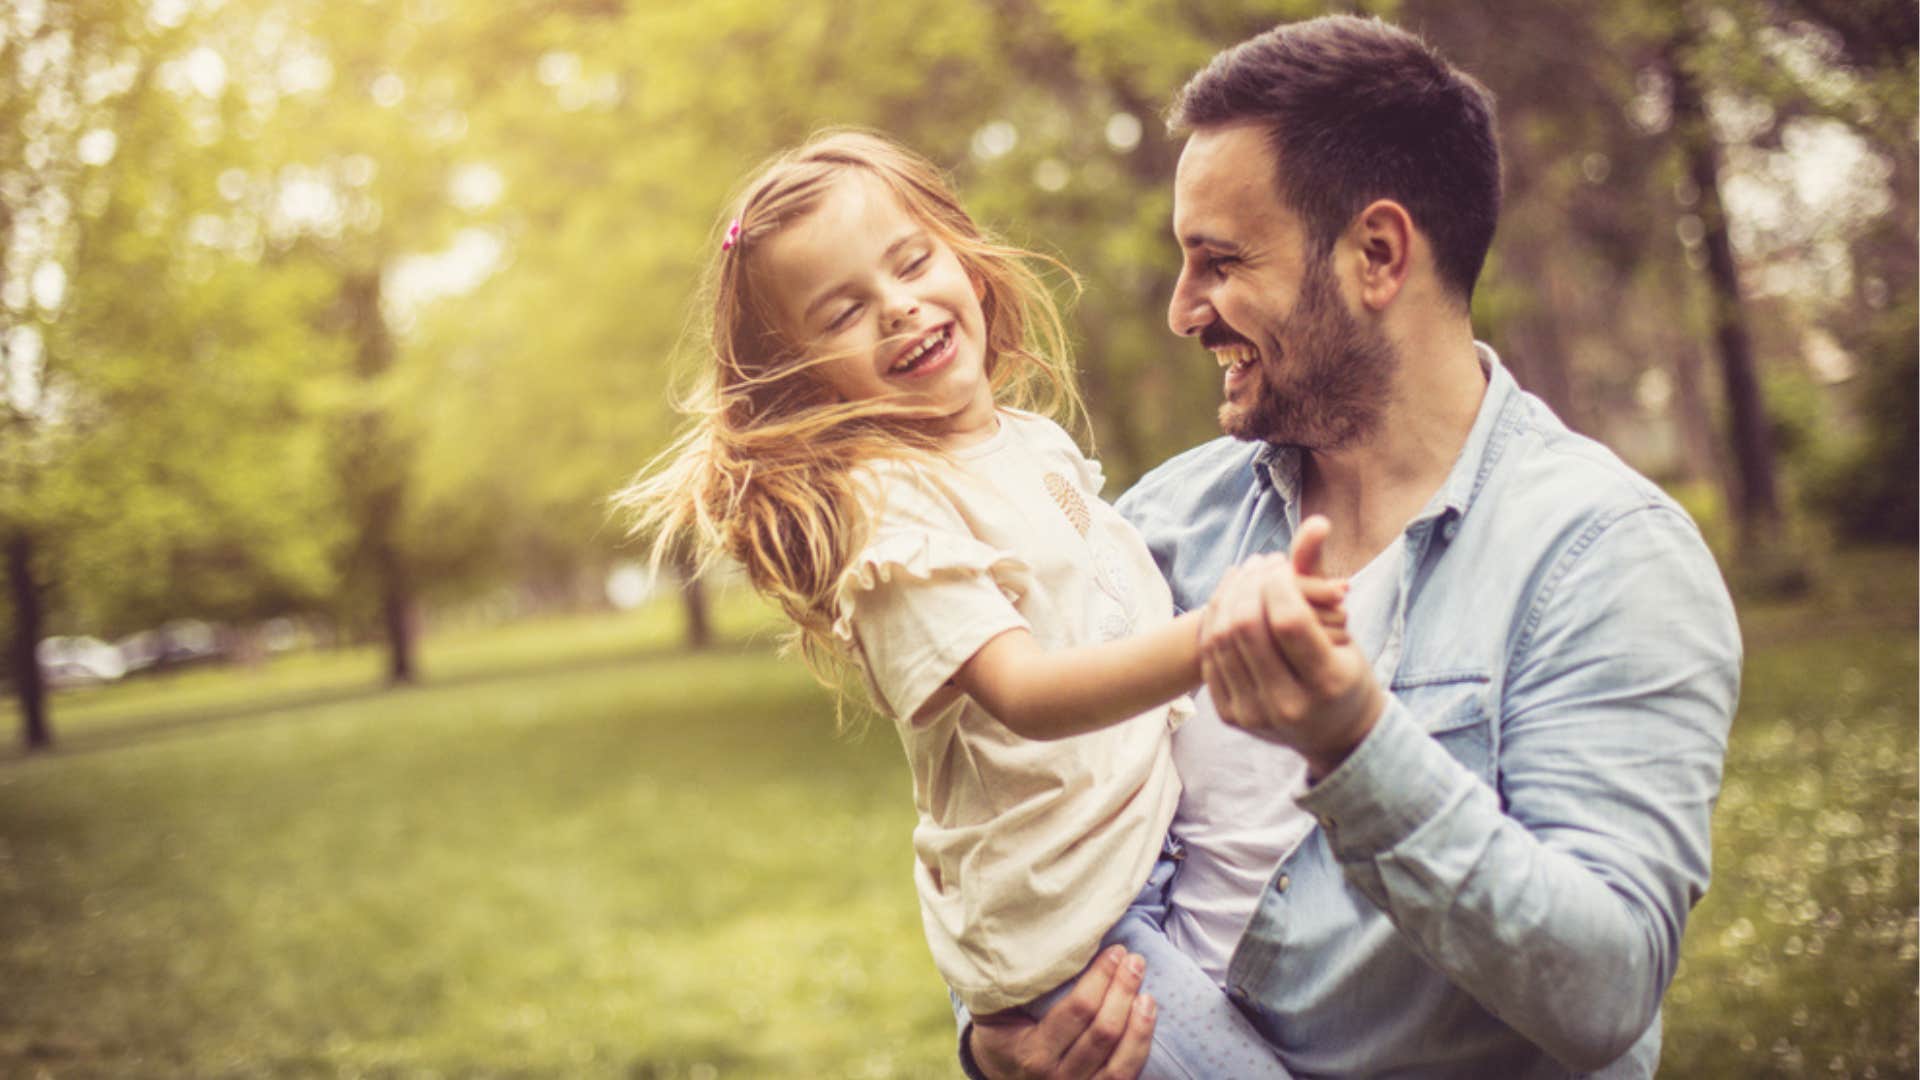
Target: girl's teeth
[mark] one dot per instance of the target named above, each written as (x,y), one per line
(920,351)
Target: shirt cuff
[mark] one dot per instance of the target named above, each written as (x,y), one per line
(1395,781)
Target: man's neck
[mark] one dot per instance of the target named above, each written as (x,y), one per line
(1370,491)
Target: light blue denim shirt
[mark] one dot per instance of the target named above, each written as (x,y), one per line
(1502,869)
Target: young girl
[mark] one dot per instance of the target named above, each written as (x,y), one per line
(868,455)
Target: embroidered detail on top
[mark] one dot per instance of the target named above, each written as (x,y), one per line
(1109,569)
(1069,501)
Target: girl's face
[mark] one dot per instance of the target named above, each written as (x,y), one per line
(886,303)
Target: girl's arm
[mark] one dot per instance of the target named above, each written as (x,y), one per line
(1041,694)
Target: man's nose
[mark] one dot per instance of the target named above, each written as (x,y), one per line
(1188,312)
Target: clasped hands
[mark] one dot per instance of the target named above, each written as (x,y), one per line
(1276,655)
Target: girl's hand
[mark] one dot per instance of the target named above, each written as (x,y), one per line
(1273,666)
(1328,599)
(1326,596)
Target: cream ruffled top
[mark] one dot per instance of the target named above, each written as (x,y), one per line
(1026,852)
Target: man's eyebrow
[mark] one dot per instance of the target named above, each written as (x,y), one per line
(892,249)
(1199,240)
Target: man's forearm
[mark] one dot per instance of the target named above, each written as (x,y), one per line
(1572,953)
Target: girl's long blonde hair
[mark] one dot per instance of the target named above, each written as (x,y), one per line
(765,471)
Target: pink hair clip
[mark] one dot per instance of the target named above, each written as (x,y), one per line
(733,236)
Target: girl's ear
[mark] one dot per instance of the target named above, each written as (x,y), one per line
(979,286)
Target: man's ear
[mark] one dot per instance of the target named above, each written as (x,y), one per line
(1382,237)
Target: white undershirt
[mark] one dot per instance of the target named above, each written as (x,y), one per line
(1237,814)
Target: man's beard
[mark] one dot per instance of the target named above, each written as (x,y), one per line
(1328,385)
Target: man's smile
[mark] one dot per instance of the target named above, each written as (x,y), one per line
(1236,356)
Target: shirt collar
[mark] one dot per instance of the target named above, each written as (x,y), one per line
(1279,466)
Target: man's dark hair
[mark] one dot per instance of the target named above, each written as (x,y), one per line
(1357,110)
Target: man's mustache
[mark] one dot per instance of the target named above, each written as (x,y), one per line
(1218,335)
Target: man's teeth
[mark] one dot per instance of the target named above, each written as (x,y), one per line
(929,345)
(1236,355)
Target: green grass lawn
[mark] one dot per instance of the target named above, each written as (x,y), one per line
(577,852)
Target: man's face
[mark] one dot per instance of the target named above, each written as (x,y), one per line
(1301,368)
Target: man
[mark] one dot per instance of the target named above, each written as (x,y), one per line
(1466,844)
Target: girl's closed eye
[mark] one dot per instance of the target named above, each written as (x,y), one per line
(843,319)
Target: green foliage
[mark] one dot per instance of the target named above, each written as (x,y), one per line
(158,450)
(1707,506)
(1801,959)
(243,441)
(1868,488)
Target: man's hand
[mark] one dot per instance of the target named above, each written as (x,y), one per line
(1101,1030)
(1280,668)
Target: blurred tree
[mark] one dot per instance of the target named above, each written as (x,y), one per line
(1757,502)
(1601,304)
(360,305)
(377,134)
(1869,48)
(1805,82)
(152,459)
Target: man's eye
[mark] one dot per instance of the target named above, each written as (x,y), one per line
(1217,263)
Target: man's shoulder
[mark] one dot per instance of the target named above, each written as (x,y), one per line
(1551,486)
(1548,463)
(1195,476)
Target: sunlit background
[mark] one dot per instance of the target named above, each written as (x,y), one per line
(355,740)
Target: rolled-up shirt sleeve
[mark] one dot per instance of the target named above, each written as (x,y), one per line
(1569,881)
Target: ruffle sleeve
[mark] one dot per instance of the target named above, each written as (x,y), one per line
(904,558)
(923,596)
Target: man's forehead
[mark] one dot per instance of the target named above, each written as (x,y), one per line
(1238,143)
(1224,183)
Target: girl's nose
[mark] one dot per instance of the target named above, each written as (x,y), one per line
(901,311)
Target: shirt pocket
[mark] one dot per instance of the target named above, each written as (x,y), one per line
(1452,707)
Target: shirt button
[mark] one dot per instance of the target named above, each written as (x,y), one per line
(1451,529)
(1282,883)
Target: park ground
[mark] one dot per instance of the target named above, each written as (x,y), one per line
(578,851)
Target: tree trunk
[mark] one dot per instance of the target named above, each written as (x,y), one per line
(1704,457)
(397,616)
(693,602)
(1757,504)
(377,481)
(1534,348)
(27,617)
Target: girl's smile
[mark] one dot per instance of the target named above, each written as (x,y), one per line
(926,355)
